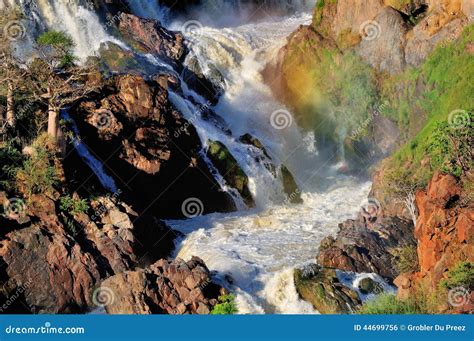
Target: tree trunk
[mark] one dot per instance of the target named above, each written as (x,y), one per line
(10,118)
(53,115)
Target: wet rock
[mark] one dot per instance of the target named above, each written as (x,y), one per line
(167,287)
(229,168)
(322,289)
(155,148)
(290,186)
(209,86)
(363,246)
(150,37)
(369,286)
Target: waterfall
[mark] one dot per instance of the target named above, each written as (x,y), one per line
(94,164)
(71,16)
(149,9)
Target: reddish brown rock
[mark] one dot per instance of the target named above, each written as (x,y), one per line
(152,38)
(444,232)
(364,246)
(147,144)
(167,287)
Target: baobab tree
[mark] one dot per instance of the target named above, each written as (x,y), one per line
(56,79)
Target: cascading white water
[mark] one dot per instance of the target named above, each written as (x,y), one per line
(80,22)
(94,164)
(259,248)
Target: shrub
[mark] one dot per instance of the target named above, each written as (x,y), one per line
(38,173)
(451,148)
(462,275)
(390,304)
(73,205)
(227,306)
(407,259)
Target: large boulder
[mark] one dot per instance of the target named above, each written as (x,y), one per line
(150,37)
(322,288)
(383,41)
(167,287)
(145,143)
(56,258)
(365,246)
(444,233)
(230,170)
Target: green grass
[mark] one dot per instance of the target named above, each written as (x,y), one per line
(462,275)
(424,97)
(390,304)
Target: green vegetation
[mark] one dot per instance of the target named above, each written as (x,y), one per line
(452,147)
(38,174)
(462,275)
(60,46)
(433,107)
(390,304)
(227,306)
(73,205)
(407,259)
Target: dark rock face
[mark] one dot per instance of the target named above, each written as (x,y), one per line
(290,186)
(211,89)
(150,37)
(321,287)
(146,144)
(167,287)
(229,168)
(362,246)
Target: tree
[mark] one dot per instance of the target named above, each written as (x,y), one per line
(56,79)
(12,72)
(402,187)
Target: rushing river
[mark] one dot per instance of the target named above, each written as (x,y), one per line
(253,251)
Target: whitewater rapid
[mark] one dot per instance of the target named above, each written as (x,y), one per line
(254,252)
